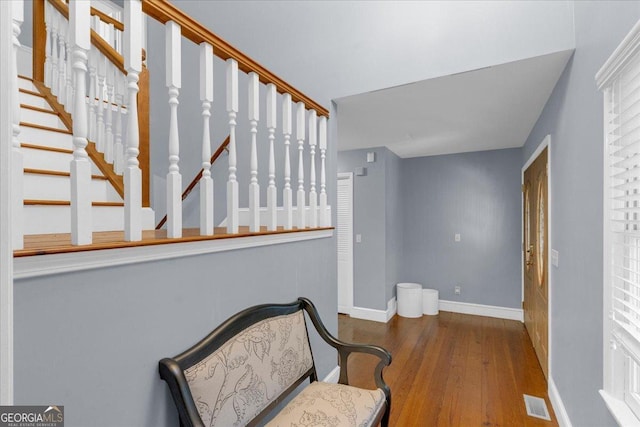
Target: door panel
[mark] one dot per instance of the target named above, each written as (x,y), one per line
(535,257)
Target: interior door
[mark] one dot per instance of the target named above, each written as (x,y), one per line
(535,256)
(345,242)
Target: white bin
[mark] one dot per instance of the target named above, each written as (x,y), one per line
(409,299)
(430,303)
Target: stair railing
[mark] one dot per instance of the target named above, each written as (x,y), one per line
(82,40)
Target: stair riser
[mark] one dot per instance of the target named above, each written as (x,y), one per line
(41,118)
(50,160)
(35,101)
(26,84)
(49,187)
(44,137)
(104,218)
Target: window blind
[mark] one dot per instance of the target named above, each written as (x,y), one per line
(622,110)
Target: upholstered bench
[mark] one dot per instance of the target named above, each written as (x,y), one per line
(246,367)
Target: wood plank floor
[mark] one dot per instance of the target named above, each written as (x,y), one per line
(451,369)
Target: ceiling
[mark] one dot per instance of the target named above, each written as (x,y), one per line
(486,109)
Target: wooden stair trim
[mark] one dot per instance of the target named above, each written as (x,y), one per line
(39,109)
(58,173)
(47,128)
(30,92)
(20,76)
(45,148)
(195,180)
(117,181)
(42,202)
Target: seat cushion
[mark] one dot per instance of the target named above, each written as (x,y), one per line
(331,405)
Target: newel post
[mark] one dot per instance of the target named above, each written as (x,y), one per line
(132,173)
(79,30)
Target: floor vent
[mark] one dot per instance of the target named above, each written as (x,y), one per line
(536,407)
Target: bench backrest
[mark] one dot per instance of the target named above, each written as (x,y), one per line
(242,369)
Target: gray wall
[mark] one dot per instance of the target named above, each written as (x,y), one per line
(369,199)
(93,339)
(476,195)
(573,118)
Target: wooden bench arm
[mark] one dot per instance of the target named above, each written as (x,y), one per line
(345,349)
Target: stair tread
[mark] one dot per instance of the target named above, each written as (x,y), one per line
(39,109)
(35,202)
(46,148)
(30,92)
(58,173)
(47,128)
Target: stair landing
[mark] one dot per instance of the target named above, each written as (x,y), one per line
(47,244)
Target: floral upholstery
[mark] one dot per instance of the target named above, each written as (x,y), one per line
(331,405)
(234,384)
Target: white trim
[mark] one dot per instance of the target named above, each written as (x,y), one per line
(34,266)
(382,316)
(620,57)
(619,410)
(482,310)
(546,143)
(333,376)
(558,405)
(348,308)
(6,250)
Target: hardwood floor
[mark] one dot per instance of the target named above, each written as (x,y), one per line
(451,369)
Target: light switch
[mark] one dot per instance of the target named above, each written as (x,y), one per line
(371,157)
(554,257)
(358,238)
(457,237)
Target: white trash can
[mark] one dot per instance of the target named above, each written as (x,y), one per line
(430,305)
(409,299)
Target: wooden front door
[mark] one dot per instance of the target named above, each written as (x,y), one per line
(535,256)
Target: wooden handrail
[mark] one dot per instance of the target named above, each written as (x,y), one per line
(163,11)
(195,180)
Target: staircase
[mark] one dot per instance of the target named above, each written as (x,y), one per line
(47,149)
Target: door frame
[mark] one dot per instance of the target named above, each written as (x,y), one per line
(350,291)
(545,143)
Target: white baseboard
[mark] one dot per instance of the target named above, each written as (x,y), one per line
(482,310)
(558,406)
(382,316)
(333,376)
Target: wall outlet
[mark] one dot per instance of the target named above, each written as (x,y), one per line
(358,238)
(456,290)
(456,237)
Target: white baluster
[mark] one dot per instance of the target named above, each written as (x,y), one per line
(79,36)
(272,192)
(287,193)
(48,19)
(62,62)
(92,93)
(69,87)
(16,153)
(206,183)
(100,128)
(300,135)
(254,187)
(313,197)
(232,110)
(322,136)
(118,155)
(55,25)
(174,179)
(132,173)
(108,121)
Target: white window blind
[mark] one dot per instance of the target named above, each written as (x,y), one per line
(623,140)
(619,78)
